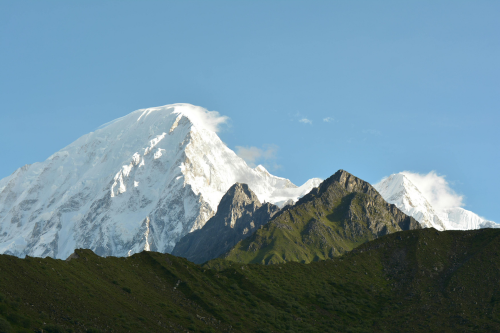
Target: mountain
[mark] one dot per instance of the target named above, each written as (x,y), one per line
(397,189)
(400,191)
(238,215)
(340,214)
(410,281)
(140,182)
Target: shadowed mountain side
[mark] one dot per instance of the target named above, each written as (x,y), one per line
(238,215)
(342,213)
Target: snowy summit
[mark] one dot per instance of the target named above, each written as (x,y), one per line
(138,183)
(400,191)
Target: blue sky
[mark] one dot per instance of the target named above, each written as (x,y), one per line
(404,85)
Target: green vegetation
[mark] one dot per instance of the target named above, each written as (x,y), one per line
(420,280)
(339,216)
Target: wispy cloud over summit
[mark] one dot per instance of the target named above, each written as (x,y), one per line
(436,190)
(306,121)
(254,156)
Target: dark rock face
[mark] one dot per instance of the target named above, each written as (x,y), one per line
(339,215)
(350,189)
(238,215)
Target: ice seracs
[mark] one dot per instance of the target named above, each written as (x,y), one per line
(400,191)
(140,182)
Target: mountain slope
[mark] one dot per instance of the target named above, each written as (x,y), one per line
(461,219)
(238,215)
(138,183)
(340,214)
(400,191)
(415,281)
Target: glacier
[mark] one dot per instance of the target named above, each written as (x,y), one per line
(397,189)
(140,182)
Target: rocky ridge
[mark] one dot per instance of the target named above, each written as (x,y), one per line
(238,215)
(340,214)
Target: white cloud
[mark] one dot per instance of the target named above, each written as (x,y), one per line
(436,190)
(210,120)
(306,121)
(254,156)
(249,154)
(328,119)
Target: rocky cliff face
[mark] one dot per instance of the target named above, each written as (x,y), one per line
(238,215)
(342,213)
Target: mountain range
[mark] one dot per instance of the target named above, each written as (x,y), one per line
(148,179)
(338,255)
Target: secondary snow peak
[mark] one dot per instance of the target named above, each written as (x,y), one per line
(399,190)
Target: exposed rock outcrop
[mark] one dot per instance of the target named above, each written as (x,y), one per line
(238,215)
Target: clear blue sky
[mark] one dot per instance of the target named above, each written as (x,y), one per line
(410,85)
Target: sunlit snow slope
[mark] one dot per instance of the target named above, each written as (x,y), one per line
(458,218)
(400,191)
(138,183)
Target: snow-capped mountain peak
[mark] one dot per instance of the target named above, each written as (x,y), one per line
(260,168)
(400,191)
(140,182)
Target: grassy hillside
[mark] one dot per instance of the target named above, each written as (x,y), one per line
(414,281)
(341,214)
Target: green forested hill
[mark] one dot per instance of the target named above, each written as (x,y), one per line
(410,281)
(342,213)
